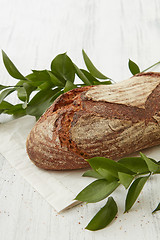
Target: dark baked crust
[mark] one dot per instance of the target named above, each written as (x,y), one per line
(110,121)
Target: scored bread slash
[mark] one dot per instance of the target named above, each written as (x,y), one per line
(105,120)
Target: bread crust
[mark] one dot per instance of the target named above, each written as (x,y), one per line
(105,120)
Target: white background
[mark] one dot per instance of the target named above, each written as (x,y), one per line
(32,33)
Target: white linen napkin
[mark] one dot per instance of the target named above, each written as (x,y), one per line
(59,188)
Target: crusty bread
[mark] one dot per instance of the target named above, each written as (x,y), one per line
(104,120)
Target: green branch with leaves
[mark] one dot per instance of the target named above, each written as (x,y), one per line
(46,84)
(131,172)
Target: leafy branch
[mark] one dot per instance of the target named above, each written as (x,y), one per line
(46,84)
(131,172)
(38,90)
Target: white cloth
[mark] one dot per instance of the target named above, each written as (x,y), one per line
(59,188)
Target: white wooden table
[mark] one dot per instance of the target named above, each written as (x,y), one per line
(32,33)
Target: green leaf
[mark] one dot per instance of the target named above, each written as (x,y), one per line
(5,93)
(16,110)
(69,86)
(3,87)
(12,70)
(41,75)
(89,76)
(33,81)
(108,164)
(56,95)
(97,191)
(62,67)
(55,80)
(22,94)
(4,105)
(81,75)
(40,97)
(29,89)
(45,86)
(43,79)
(134,192)
(38,110)
(93,80)
(93,174)
(152,165)
(91,68)
(36,83)
(133,67)
(102,83)
(40,102)
(125,179)
(157,208)
(32,77)
(20,83)
(135,164)
(106,174)
(104,217)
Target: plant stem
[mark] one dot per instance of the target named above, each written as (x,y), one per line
(151,66)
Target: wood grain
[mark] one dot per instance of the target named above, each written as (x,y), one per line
(32,33)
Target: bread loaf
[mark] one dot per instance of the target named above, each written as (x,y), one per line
(105,120)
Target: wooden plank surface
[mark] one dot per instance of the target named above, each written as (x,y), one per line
(32,33)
